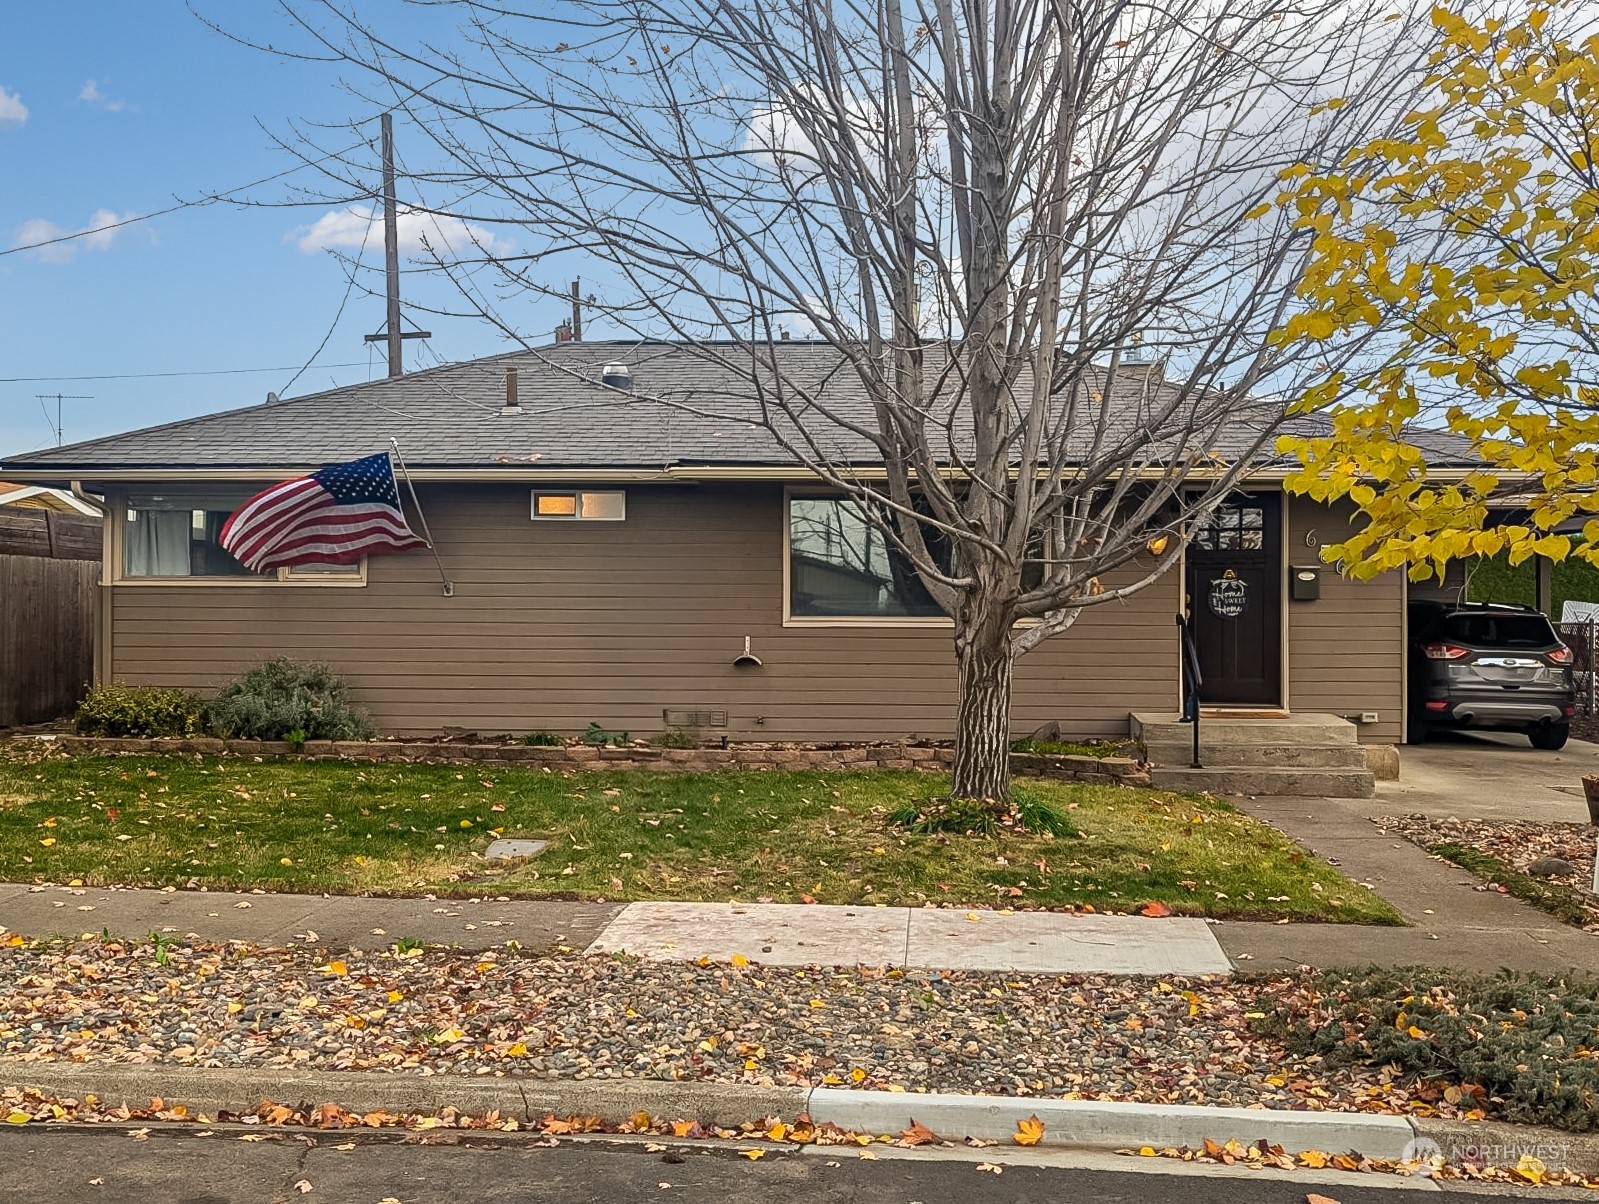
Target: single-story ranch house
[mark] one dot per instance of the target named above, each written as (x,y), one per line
(612,560)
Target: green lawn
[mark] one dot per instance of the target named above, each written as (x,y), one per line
(788,837)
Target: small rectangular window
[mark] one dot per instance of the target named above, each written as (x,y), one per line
(323,572)
(596,505)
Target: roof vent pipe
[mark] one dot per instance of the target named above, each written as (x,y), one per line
(617,376)
(512,405)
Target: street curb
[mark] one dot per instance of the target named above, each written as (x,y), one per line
(204,1089)
(1106,1125)
(1074,1124)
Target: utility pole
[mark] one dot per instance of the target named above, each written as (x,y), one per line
(392,333)
(58,398)
(577,313)
(391,247)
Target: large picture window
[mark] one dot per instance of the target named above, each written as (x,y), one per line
(840,566)
(168,538)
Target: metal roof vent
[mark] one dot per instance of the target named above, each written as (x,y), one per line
(617,376)
(512,404)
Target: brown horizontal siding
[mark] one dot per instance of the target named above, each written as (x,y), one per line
(554,625)
(1346,649)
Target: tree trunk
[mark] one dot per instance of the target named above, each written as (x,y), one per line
(982,714)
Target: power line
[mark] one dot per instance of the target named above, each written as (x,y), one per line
(211,199)
(19,380)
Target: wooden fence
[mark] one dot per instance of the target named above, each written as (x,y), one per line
(49,592)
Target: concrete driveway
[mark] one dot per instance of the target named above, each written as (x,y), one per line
(1488,775)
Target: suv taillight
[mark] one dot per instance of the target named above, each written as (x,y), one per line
(1560,656)
(1445,652)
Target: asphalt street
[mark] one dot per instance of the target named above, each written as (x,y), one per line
(113,1165)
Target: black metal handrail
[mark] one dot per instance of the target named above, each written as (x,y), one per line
(1193,681)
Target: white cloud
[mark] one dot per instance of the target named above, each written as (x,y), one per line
(91,92)
(97,235)
(348,228)
(12,111)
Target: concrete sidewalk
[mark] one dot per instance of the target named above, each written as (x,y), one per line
(1453,923)
(335,920)
(774,934)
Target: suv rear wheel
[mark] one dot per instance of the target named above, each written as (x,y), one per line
(1550,737)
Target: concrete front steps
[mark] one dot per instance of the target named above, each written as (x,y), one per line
(1308,756)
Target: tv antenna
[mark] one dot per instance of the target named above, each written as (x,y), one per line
(58,398)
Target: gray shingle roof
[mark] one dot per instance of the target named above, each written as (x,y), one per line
(450,417)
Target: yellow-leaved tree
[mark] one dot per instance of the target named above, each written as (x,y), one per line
(1463,253)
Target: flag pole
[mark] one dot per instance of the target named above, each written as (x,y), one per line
(449,586)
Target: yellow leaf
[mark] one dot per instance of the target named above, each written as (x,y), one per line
(858,1075)
(1415,1032)
(338,968)
(752,1155)
(740,960)
(48,841)
(1314,1159)
(1029,1131)
(395,997)
(17,1118)
(518,1050)
(1146,1151)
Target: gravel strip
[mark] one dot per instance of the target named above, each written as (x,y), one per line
(573,1017)
(1535,849)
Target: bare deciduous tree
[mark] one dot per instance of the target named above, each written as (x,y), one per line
(981,206)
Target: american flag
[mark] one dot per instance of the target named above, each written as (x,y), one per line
(335,516)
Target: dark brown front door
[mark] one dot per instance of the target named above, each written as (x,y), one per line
(1235,600)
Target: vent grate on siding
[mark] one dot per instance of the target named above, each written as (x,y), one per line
(693,718)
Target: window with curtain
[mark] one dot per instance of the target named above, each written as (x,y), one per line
(840,566)
(177,538)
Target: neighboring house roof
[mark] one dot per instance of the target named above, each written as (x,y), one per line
(685,408)
(42,497)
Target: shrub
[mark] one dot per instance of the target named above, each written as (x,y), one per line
(283,697)
(1022,812)
(1521,1040)
(675,737)
(598,736)
(543,740)
(1067,748)
(122,710)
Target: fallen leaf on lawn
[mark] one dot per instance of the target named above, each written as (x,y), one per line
(1154,909)
(1029,1131)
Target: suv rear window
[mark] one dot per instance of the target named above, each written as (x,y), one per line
(1498,630)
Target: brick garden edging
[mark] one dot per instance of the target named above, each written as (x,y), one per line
(1105,770)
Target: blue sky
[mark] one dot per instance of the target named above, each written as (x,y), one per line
(127,106)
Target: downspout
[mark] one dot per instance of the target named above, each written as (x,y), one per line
(102,616)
